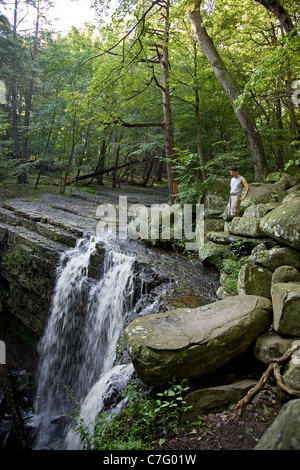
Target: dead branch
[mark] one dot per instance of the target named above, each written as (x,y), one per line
(98,173)
(273,368)
(278,376)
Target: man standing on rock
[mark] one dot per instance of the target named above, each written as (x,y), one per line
(237,184)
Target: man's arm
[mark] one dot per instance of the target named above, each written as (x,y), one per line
(247,188)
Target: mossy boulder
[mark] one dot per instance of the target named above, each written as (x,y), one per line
(275,257)
(254,280)
(246,226)
(286,307)
(195,342)
(283,224)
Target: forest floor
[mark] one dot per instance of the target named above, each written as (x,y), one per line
(222,430)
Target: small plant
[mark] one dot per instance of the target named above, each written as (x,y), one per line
(172,398)
(231,267)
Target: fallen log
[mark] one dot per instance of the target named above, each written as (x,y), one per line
(101,172)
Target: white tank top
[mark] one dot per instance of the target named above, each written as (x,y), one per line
(236,186)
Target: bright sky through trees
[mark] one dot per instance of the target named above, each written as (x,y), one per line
(69,13)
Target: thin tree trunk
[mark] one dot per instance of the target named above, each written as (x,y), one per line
(14,101)
(279,151)
(230,86)
(198,119)
(29,95)
(168,125)
(64,184)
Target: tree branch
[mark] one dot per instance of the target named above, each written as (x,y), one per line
(272,368)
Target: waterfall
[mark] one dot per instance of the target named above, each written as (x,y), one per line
(77,351)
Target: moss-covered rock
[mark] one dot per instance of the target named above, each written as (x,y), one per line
(275,257)
(254,280)
(286,307)
(194,342)
(283,224)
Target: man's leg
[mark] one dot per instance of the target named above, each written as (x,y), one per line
(234,206)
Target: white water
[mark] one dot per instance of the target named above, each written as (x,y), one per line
(77,351)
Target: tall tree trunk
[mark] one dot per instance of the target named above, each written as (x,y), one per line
(14,95)
(198,119)
(100,165)
(230,86)
(168,125)
(64,183)
(29,95)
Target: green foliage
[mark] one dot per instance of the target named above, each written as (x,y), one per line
(295,162)
(173,398)
(230,267)
(137,425)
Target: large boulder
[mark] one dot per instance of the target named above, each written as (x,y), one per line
(246,226)
(195,342)
(264,193)
(285,273)
(275,257)
(271,345)
(254,280)
(286,308)
(283,224)
(284,432)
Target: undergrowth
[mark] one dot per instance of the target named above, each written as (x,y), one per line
(143,421)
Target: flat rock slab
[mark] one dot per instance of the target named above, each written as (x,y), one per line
(204,400)
(189,343)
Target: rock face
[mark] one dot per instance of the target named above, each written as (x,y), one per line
(33,235)
(195,342)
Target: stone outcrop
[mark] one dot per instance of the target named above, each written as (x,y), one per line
(33,235)
(194,342)
(269,214)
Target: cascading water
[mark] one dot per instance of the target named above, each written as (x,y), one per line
(77,351)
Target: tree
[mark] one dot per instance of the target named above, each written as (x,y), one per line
(275,7)
(233,91)
(137,52)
